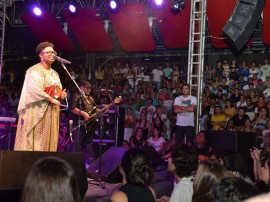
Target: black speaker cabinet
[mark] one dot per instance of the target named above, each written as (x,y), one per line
(242,22)
(14,166)
(113,130)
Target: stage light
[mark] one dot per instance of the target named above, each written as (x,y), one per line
(72,8)
(113,4)
(159,3)
(37,11)
(177,6)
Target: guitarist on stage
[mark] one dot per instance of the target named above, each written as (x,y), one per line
(79,106)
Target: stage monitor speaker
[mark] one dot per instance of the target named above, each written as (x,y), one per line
(14,167)
(110,161)
(242,22)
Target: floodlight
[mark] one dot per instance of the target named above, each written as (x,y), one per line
(113,4)
(72,8)
(37,11)
(177,6)
(159,3)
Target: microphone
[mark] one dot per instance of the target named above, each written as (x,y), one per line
(107,90)
(62,60)
(70,129)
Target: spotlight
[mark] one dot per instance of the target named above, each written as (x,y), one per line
(113,5)
(73,8)
(158,2)
(37,11)
(177,6)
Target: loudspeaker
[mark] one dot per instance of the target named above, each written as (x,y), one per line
(109,123)
(242,22)
(14,167)
(231,140)
(154,157)
(113,130)
(110,161)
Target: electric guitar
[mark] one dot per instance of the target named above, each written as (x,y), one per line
(101,111)
(104,109)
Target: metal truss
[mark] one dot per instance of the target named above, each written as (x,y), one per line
(196,53)
(3,8)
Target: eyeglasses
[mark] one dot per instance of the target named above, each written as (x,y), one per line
(50,52)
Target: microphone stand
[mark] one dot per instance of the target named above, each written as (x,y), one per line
(80,101)
(101,128)
(73,79)
(117,119)
(101,122)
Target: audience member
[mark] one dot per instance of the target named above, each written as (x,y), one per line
(184,107)
(218,119)
(51,179)
(137,140)
(232,189)
(137,173)
(182,163)
(200,145)
(208,173)
(240,118)
(235,164)
(156,141)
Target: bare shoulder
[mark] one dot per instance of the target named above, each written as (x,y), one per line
(119,197)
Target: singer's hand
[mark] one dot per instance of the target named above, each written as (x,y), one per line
(63,94)
(55,102)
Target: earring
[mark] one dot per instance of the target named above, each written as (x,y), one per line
(42,60)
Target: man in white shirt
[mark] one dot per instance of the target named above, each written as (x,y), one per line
(182,163)
(157,76)
(185,106)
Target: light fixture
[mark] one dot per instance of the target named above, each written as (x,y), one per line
(158,3)
(113,5)
(177,6)
(73,8)
(37,10)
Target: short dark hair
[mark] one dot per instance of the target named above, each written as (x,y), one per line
(185,160)
(137,167)
(43,45)
(186,85)
(233,189)
(51,179)
(242,108)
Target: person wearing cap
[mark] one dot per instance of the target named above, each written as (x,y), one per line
(39,105)
(82,109)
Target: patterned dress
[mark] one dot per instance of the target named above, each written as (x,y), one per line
(38,123)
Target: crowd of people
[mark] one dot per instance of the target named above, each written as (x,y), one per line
(159,106)
(235,97)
